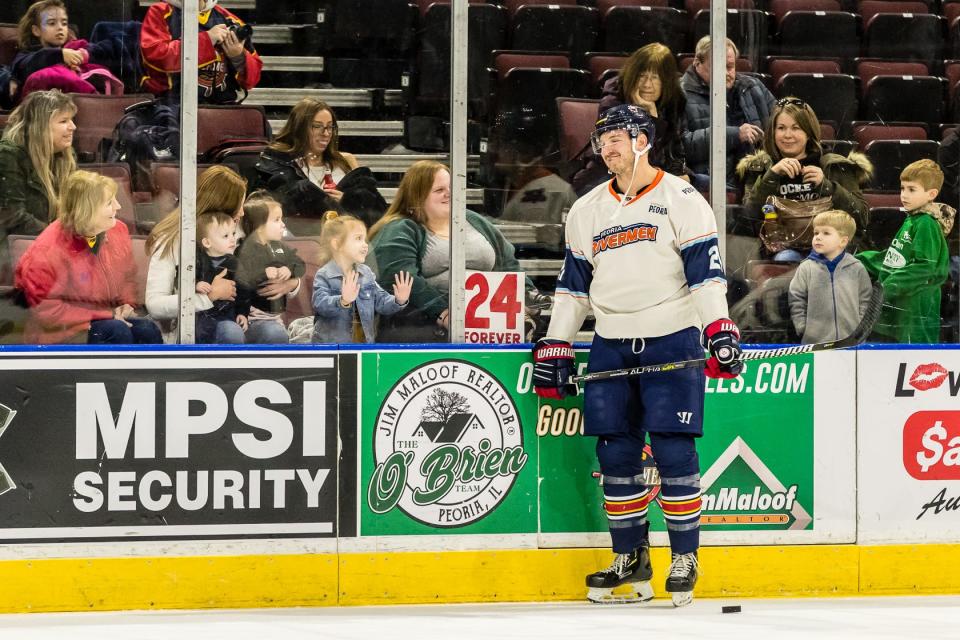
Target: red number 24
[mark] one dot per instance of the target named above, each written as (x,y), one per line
(504,300)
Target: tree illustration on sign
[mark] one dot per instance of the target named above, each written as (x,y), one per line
(442,405)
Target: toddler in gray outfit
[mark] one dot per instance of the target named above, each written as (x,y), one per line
(830,290)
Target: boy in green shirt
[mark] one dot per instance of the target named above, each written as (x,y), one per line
(915,266)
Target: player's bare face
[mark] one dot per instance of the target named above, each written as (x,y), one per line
(617,152)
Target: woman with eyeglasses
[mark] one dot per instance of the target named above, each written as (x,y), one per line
(649,79)
(792,166)
(308,173)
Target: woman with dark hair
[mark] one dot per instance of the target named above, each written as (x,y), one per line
(792,166)
(309,174)
(649,79)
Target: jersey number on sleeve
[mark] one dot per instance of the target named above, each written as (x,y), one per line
(715,259)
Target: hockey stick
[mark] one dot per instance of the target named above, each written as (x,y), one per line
(857,337)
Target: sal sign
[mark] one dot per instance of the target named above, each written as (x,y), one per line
(494,308)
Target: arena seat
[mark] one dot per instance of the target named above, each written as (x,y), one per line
(869,68)
(870,8)
(749,28)
(487,31)
(513,6)
(903,35)
(626,29)
(833,96)
(779,67)
(571,29)
(96,118)
(779,8)
(8,43)
(759,271)
(603,6)
(889,157)
(504,62)
(536,90)
(904,99)
(818,34)
(865,133)
(576,120)
(881,199)
(222,126)
(600,65)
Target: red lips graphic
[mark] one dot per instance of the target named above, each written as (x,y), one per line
(928,376)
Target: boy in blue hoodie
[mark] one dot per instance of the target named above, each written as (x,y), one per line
(830,290)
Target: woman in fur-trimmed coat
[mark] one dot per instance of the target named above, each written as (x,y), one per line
(792,165)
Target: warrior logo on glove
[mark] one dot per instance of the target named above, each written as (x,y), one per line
(553,366)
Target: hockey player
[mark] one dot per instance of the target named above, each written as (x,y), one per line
(642,254)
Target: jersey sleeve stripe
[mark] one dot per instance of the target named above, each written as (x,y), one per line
(708,281)
(697,240)
(576,294)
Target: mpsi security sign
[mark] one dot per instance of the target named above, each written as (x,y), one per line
(165,447)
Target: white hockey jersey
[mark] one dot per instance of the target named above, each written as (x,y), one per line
(647,269)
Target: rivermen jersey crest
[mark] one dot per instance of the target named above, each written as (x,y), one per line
(648,268)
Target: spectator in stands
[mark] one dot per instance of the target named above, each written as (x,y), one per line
(533,192)
(749,104)
(792,166)
(229,65)
(413,237)
(310,175)
(915,266)
(218,189)
(216,242)
(346,296)
(830,290)
(79,277)
(649,79)
(51,57)
(264,258)
(36,157)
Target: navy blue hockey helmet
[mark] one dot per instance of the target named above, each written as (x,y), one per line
(628,117)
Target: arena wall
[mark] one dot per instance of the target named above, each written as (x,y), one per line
(198,479)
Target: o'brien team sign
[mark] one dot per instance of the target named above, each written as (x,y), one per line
(158,446)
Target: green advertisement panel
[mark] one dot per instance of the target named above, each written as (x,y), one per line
(756,455)
(447,445)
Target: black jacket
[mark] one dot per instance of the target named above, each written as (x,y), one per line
(254,258)
(305,203)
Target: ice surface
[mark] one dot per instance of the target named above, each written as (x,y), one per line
(875,618)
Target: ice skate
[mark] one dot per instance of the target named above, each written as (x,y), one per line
(632,569)
(684,570)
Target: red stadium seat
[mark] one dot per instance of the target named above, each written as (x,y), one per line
(779,8)
(779,67)
(504,62)
(576,119)
(96,118)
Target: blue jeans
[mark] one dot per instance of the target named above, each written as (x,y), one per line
(267,332)
(140,331)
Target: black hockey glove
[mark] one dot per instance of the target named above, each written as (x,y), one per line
(553,366)
(722,338)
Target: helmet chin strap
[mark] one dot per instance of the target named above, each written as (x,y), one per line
(628,192)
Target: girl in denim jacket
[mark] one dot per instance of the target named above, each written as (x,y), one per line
(346,296)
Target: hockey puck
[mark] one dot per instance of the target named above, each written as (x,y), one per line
(733,608)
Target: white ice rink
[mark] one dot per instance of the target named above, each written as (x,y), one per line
(910,618)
